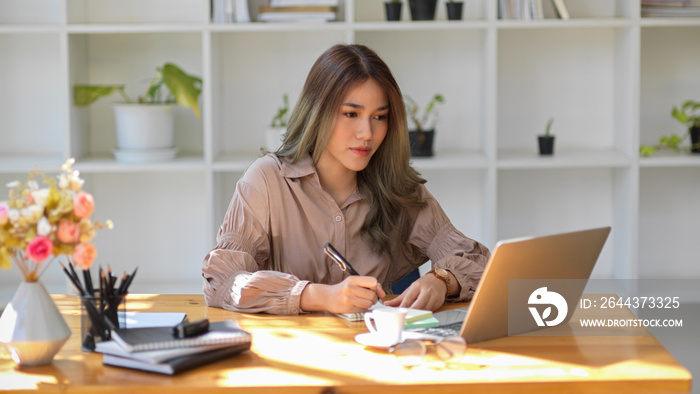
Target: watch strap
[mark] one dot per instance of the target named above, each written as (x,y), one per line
(445,279)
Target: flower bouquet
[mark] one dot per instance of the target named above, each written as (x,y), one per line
(39,224)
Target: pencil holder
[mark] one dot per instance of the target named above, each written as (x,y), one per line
(98,316)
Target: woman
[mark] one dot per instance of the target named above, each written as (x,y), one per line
(341,176)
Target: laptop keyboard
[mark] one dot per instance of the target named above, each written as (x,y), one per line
(441,331)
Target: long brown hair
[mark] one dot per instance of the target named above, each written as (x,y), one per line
(388,183)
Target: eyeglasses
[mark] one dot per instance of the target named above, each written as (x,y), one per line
(411,353)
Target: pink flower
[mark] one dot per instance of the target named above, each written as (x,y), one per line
(39,249)
(3,214)
(83,205)
(68,231)
(84,255)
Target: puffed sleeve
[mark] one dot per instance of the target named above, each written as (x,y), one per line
(235,274)
(434,235)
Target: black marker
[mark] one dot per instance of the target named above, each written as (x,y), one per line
(193,329)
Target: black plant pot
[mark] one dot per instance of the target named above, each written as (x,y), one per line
(421,143)
(695,139)
(454,10)
(422,10)
(393,10)
(546,145)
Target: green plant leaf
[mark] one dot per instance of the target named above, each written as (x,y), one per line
(646,150)
(549,126)
(185,88)
(278,120)
(84,95)
(153,89)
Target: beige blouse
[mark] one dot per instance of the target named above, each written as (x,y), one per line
(270,245)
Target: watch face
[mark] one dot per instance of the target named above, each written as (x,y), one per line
(441,273)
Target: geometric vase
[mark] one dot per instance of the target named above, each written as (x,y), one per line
(31,326)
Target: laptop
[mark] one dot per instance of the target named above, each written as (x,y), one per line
(537,259)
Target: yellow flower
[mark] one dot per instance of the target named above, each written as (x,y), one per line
(5,262)
(87,232)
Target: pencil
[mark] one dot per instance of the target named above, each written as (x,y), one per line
(72,279)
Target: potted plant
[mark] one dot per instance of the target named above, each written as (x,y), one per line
(144,126)
(278,127)
(689,116)
(393,10)
(546,141)
(421,137)
(422,10)
(454,10)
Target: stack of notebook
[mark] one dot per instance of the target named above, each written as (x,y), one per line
(155,349)
(415,318)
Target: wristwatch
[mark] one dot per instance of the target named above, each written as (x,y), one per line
(444,276)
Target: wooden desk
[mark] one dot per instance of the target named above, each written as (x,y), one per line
(317,353)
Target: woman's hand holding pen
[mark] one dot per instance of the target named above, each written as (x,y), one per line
(353,294)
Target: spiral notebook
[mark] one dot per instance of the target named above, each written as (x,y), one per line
(412,315)
(158,338)
(178,364)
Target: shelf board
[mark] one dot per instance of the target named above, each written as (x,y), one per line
(234,162)
(440,161)
(277,26)
(670,159)
(559,23)
(30,29)
(513,160)
(105,164)
(120,28)
(420,25)
(10,164)
(450,161)
(669,22)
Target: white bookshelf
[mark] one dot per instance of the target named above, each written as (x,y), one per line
(607,76)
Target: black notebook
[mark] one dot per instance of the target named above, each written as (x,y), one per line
(158,338)
(178,364)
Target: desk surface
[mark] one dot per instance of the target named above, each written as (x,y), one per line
(317,353)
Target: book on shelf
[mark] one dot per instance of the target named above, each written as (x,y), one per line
(661,12)
(303,3)
(297,13)
(177,364)
(229,11)
(300,9)
(666,3)
(159,338)
(520,10)
(561,9)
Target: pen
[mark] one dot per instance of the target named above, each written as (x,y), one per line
(339,259)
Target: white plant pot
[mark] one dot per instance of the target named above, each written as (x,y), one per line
(144,126)
(273,138)
(31,326)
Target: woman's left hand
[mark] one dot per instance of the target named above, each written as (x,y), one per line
(427,292)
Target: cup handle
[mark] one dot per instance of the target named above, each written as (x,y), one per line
(369,322)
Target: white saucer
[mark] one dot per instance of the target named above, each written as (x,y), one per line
(374,340)
(145,155)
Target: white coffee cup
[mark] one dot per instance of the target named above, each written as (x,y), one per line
(386,324)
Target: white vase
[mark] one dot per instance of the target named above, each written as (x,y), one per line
(144,126)
(32,327)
